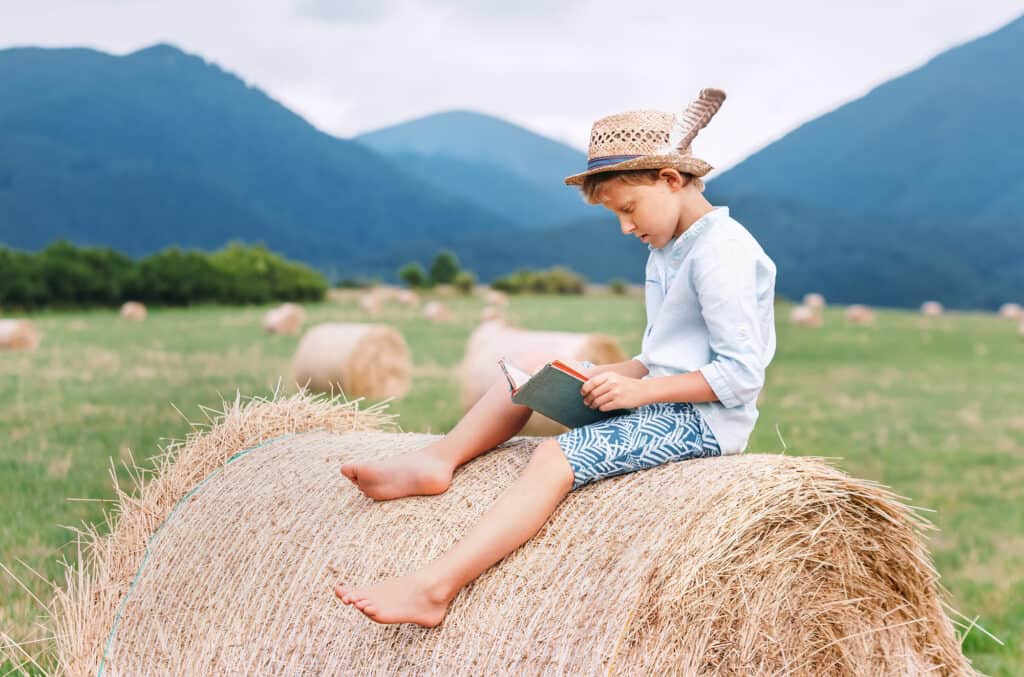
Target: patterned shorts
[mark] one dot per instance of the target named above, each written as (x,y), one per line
(645,437)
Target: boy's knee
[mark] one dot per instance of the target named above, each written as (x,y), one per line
(550,453)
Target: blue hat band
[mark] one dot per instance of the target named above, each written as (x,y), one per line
(609,160)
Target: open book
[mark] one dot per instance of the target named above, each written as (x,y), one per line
(554,391)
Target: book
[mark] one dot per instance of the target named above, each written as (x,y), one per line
(554,391)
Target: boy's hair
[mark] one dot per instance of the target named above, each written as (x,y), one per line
(591,185)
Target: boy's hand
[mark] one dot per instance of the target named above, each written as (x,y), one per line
(610,390)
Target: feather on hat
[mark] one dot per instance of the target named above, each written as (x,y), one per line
(649,139)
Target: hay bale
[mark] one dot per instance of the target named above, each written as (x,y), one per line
(287,319)
(748,564)
(371,303)
(815,301)
(408,298)
(84,608)
(860,314)
(435,311)
(490,313)
(18,335)
(1011,311)
(802,316)
(931,309)
(493,297)
(491,340)
(133,310)
(360,360)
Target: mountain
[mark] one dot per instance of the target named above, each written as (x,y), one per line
(940,144)
(919,179)
(160,147)
(499,166)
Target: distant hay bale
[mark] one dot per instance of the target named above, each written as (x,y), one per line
(803,316)
(860,314)
(287,319)
(133,310)
(747,564)
(931,309)
(816,301)
(371,303)
(408,298)
(360,360)
(18,335)
(494,297)
(435,311)
(490,313)
(479,369)
(1011,311)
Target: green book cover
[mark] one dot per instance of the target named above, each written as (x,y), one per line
(554,391)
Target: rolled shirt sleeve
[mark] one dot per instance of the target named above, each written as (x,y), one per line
(727,292)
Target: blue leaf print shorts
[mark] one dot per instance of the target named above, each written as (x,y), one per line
(647,436)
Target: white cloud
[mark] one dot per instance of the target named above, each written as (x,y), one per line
(554,67)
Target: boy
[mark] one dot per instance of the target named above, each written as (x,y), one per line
(692,391)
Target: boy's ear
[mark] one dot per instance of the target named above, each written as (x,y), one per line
(672,177)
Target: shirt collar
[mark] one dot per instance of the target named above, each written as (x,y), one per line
(677,247)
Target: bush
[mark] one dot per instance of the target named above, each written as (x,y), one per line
(413,275)
(444,269)
(618,286)
(557,280)
(66,275)
(465,281)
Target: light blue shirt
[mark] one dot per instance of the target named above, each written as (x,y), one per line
(710,296)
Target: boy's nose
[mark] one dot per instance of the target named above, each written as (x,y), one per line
(627,226)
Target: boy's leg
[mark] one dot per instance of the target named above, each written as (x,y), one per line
(422,597)
(491,421)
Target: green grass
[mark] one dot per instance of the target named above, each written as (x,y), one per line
(931,408)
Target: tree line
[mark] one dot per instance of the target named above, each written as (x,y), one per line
(65,275)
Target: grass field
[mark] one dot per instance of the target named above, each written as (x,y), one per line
(931,407)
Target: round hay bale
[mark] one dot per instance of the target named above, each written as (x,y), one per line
(287,319)
(491,340)
(931,309)
(816,301)
(360,360)
(493,297)
(435,311)
(18,335)
(747,564)
(490,313)
(133,310)
(371,303)
(1011,311)
(802,316)
(408,298)
(860,314)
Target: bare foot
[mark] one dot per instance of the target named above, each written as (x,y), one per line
(406,599)
(414,473)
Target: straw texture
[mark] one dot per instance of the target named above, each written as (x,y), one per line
(84,608)
(750,564)
(359,360)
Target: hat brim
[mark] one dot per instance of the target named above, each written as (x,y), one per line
(685,165)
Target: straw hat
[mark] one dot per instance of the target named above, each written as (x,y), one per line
(650,139)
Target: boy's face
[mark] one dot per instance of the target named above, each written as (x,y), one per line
(647,211)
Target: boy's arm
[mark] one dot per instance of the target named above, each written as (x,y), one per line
(630,368)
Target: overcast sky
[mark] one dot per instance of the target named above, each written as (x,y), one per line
(554,67)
